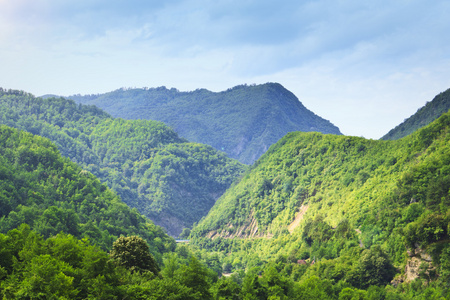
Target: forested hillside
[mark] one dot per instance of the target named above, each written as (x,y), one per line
(58,223)
(424,116)
(316,217)
(51,194)
(368,213)
(242,121)
(168,179)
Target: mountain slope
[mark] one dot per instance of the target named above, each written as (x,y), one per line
(243,121)
(171,181)
(51,194)
(330,197)
(424,116)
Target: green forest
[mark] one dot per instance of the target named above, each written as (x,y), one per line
(243,121)
(168,179)
(317,216)
(367,213)
(51,194)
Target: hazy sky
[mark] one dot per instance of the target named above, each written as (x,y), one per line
(363,65)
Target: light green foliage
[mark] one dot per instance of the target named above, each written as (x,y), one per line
(60,267)
(161,289)
(195,277)
(152,169)
(314,288)
(242,121)
(226,288)
(46,278)
(360,203)
(253,289)
(63,267)
(352,294)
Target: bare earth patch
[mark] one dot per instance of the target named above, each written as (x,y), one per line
(298,218)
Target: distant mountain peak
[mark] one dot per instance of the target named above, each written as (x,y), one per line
(424,116)
(243,121)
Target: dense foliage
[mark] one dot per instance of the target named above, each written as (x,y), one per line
(364,211)
(424,116)
(133,253)
(243,121)
(63,267)
(317,217)
(51,194)
(171,181)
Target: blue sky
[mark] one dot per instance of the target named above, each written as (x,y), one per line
(363,65)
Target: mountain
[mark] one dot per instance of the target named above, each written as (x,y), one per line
(168,179)
(51,194)
(57,223)
(242,121)
(424,116)
(316,217)
(343,203)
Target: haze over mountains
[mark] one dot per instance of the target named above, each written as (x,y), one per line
(243,121)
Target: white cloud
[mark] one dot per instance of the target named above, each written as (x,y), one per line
(365,66)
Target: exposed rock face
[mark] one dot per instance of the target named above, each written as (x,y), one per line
(249,230)
(171,224)
(419,263)
(412,269)
(298,218)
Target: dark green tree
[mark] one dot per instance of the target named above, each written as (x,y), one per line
(133,253)
(373,268)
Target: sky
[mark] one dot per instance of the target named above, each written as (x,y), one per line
(363,65)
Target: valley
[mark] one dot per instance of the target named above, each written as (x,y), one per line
(304,214)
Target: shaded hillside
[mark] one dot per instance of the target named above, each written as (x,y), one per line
(424,116)
(51,194)
(242,121)
(168,179)
(342,201)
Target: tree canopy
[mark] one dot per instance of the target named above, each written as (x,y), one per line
(51,194)
(171,181)
(344,209)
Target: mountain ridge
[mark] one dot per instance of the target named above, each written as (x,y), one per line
(242,121)
(424,116)
(170,180)
(351,194)
(317,216)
